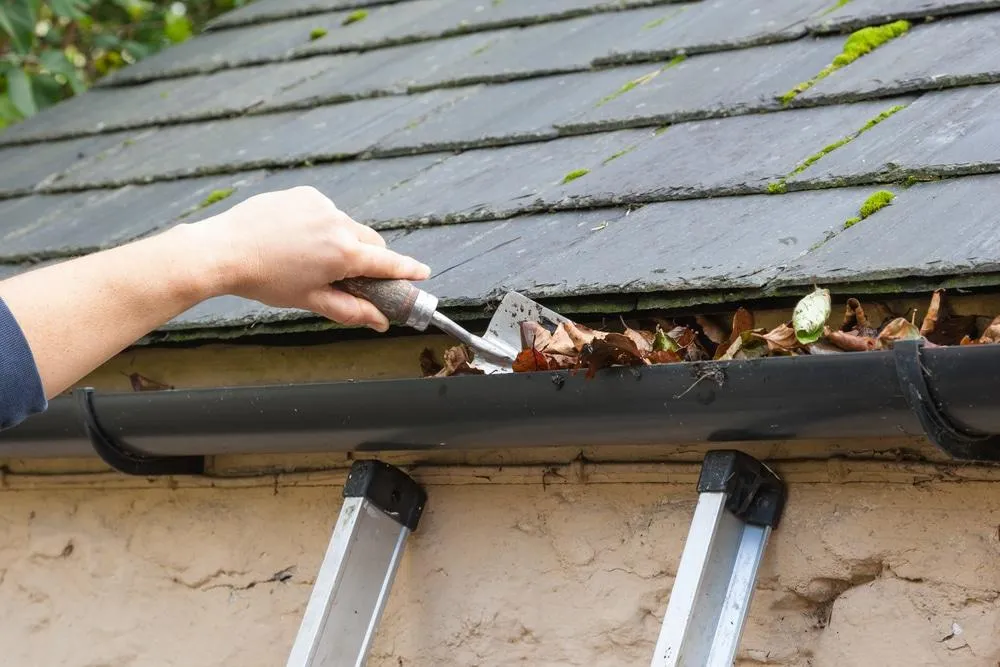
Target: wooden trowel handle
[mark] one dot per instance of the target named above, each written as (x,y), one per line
(399,300)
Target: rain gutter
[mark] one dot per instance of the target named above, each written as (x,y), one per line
(948,394)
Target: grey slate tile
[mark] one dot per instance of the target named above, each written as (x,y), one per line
(738,154)
(475,261)
(713,83)
(713,24)
(859,13)
(392,69)
(945,228)
(47,225)
(709,244)
(521,109)
(229,92)
(348,184)
(258,141)
(31,165)
(270,10)
(495,182)
(917,61)
(947,132)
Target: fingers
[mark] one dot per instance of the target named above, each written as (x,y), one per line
(368,235)
(347,309)
(373,261)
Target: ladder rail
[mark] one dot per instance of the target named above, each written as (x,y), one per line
(380,510)
(740,502)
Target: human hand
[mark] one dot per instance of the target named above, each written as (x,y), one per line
(285,248)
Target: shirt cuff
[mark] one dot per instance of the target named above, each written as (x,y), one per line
(21,391)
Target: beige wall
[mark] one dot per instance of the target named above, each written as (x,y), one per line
(875,564)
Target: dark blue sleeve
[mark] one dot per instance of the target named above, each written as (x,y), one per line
(21,392)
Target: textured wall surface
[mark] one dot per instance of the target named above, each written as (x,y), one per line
(571,574)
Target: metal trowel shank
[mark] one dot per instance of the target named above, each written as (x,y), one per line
(403,303)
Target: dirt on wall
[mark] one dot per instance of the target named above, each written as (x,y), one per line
(498,574)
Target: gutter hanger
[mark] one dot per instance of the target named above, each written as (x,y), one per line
(948,394)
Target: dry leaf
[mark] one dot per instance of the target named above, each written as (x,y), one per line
(530,360)
(742,321)
(714,332)
(429,365)
(140,382)
(899,329)
(931,318)
(781,339)
(850,342)
(456,362)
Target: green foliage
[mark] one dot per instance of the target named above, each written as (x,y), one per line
(53,49)
(355,16)
(575,174)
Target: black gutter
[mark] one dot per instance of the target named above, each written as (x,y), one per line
(947,394)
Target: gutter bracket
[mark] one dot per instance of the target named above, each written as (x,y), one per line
(916,388)
(125,459)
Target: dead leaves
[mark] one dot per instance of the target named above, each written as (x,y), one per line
(573,346)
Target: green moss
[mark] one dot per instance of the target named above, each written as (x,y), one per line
(840,3)
(317,33)
(860,43)
(215,196)
(817,156)
(618,154)
(660,130)
(777,187)
(575,174)
(872,205)
(355,16)
(876,202)
(645,78)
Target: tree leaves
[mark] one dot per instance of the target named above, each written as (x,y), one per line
(574,347)
(19,91)
(60,47)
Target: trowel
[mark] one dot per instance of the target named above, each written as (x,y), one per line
(404,303)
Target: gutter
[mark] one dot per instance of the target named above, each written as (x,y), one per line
(947,394)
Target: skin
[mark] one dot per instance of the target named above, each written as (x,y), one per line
(282,249)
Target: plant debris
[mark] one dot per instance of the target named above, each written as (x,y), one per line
(573,346)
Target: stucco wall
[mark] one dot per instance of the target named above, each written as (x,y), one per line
(882,567)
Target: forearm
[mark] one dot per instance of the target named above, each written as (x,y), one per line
(78,314)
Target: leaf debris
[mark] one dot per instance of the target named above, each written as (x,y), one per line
(576,347)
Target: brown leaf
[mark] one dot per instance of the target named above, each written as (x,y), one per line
(899,329)
(856,321)
(534,335)
(140,382)
(781,339)
(642,343)
(614,349)
(663,357)
(992,333)
(457,361)
(581,335)
(429,365)
(850,342)
(715,333)
(931,318)
(530,360)
(560,342)
(742,321)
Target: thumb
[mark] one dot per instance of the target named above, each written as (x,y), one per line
(346,309)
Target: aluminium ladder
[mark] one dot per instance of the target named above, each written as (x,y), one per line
(740,502)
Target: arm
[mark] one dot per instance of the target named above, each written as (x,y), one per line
(282,249)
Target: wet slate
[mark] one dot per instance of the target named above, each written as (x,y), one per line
(169,100)
(38,164)
(271,10)
(46,225)
(943,133)
(473,262)
(495,182)
(289,138)
(859,13)
(946,228)
(714,24)
(704,85)
(914,61)
(502,112)
(711,244)
(718,156)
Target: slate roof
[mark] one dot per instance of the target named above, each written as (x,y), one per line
(452,126)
